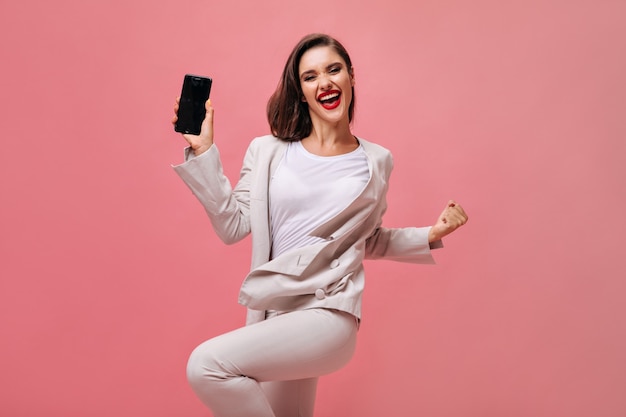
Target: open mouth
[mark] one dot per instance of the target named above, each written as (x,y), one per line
(330,99)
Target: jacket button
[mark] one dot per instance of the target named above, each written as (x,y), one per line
(334,263)
(320,294)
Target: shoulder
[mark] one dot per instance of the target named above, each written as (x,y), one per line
(267,141)
(264,149)
(376,152)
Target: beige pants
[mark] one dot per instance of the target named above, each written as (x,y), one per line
(270,369)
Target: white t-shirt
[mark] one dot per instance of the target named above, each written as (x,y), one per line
(307,190)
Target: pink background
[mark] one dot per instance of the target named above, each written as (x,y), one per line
(110,273)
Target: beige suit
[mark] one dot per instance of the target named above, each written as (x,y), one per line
(324,275)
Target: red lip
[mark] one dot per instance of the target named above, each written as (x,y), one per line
(327,93)
(331,105)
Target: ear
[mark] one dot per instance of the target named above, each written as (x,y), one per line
(352,80)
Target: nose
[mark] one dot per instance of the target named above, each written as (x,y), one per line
(325,82)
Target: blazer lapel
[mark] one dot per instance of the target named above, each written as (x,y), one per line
(267,156)
(360,208)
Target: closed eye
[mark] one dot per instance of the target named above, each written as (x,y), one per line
(311,75)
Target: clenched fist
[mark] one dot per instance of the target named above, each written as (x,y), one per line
(452,217)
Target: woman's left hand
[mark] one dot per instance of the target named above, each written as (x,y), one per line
(452,217)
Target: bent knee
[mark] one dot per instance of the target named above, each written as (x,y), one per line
(205,365)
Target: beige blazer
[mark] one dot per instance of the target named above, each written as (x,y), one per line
(328,274)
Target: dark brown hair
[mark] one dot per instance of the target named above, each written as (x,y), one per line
(287,114)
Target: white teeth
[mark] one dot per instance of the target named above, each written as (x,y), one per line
(330,97)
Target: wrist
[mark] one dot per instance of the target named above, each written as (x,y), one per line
(432,235)
(201,149)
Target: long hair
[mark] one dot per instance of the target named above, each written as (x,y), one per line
(287,114)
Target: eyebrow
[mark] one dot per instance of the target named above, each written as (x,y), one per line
(312,71)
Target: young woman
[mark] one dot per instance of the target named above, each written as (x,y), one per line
(312,195)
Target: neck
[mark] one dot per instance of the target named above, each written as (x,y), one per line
(329,140)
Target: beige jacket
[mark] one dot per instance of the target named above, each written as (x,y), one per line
(327,274)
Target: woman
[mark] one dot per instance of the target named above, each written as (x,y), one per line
(312,195)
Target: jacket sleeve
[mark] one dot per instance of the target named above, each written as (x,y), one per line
(227,208)
(409,244)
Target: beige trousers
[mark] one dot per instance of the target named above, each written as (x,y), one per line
(270,369)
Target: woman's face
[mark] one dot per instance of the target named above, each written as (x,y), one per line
(326,84)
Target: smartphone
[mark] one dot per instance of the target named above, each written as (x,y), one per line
(191,109)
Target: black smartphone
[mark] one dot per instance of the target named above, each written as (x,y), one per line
(191,109)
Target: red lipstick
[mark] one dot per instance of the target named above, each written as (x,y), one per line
(330,99)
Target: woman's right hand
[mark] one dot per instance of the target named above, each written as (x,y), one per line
(199,143)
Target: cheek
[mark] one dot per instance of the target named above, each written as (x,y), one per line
(308,93)
(349,92)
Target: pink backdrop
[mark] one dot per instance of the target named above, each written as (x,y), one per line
(110,273)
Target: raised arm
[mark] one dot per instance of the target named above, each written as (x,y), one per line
(202,171)
(414,244)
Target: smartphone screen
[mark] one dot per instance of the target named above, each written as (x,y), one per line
(191,109)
